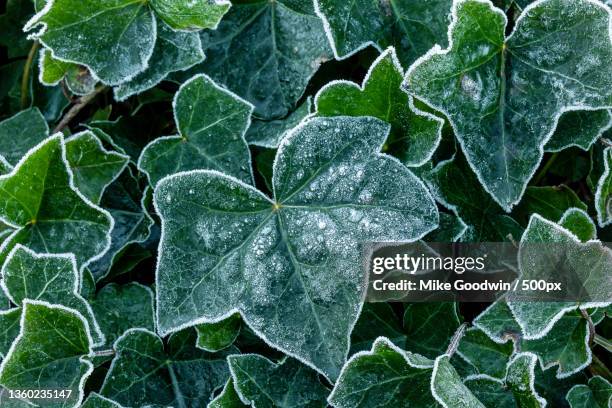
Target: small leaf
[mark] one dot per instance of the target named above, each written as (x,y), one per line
(19,133)
(270,133)
(603,195)
(447,387)
(429,327)
(597,394)
(552,61)
(262,383)
(580,129)
(49,353)
(211,122)
(214,337)
(52,70)
(143,373)
(228,398)
(486,356)
(579,223)
(191,15)
(414,134)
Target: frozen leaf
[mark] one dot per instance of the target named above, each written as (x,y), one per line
(269,133)
(498,322)
(429,327)
(579,223)
(261,383)
(49,214)
(52,70)
(191,15)
(19,133)
(504,95)
(548,202)
(597,394)
(414,134)
(580,129)
(287,263)
(447,387)
(266,52)
(214,337)
(143,373)
(9,328)
(95,400)
(385,376)
(485,355)
(211,123)
(603,195)
(412,26)
(50,353)
(122,307)
(228,398)
(451,229)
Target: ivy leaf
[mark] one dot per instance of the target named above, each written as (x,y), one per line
(122,307)
(95,400)
(261,383)
(279,45)
(50,278)
(240,250)
(430,326)
(93,167)
(580,129)
(382,377)
(144,374)
(515,390)
(447,387)
(9,329)
(493,96)
(211,122)
(214,337)
(376,320)
(548,202)
(498,322)
(486,356)
(191,15)
(52,70)
(49,214)
(19,133)
(412,27)
(415,135)
(451,229)
(50,352)
(579,223)
(228,398)
(597,394)
(174,51)
(603,194)
(270,133)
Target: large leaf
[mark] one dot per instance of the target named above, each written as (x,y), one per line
(597,394)
(411,26)
(50,353)
(603,194)
(266,52)
(19,133)
(414,134)
(144,374)
(49,214)
(262,383)
(211,122)
(288,263)
(504,95)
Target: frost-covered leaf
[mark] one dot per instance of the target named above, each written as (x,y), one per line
(124,200)
(447,387)
(122,307)
(603,195)
(548,202)
(240,250)
(515,390)
(504,95)
(214,337)
(429,327)
(485,355)
(114,38)
(93,167)
(143,373)
(49,353)
(597,394)
(9,328)
(174,51)
(39,199)
(19,133)
(262,383)
(498,322)
(414,134)
(191,15)
(50,278)
(52,70)
(211,122)
(456,187)
(385,376)
(412,26)
(228,398)
(95,400)
(269,133)
(266,52)
(451,229)
(579,128)
(579,223)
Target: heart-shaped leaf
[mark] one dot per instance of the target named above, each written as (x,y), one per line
(597,394)
(214,337)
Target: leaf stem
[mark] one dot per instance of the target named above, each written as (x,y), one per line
(603,342)
(454,343)
(545,169)
(25,78)
(104,353)
(78,106)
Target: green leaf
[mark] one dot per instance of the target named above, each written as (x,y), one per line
(580,129)
(429,327)
(415,134)
(93,167)
(603,195)
(211,122)
(174,51)
(548,202)
(498,322)
(50,278)
(9,328)
(278,45)
(143,373)
(376,320)
(451,229)
(447,387)
(114,39)
(456,187)
(486,356)
(49,353)
(191,15)
(270,133)
(385,376)
(412,27)
(261,383)
(39,200)
(597,394)
(52,70)
(19,133)
(579,223)
(95,400)
(214,337)
(122,307)
(494,89)
(240,250)
(228,398)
